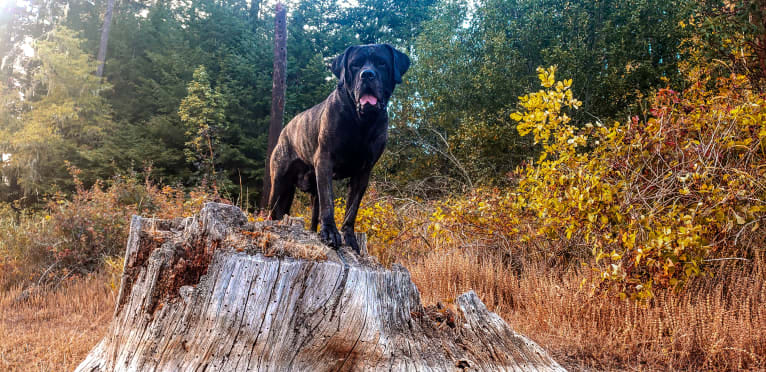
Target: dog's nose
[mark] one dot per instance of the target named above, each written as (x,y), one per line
(368,74)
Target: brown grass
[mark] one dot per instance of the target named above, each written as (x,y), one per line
(715,324)
(53,331)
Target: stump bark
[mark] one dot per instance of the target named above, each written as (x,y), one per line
(215,292)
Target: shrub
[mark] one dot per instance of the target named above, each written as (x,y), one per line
(656,199)
(646,204)
(395,228)
(77,235)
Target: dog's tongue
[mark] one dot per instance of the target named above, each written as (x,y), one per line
(368,98)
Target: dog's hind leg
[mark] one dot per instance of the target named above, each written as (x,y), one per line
(282,186)
(314,211)
(282,194)
(285,201)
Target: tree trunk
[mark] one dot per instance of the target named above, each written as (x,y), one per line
(104,38)
(215,292)
(277,95)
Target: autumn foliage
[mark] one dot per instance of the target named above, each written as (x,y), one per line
(654,199)
(75,236)
(647,204)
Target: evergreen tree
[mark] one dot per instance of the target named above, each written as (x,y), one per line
(449,120)
(62,118)
(202,112)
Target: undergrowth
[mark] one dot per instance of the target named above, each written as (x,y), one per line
(76,235)
(712,323)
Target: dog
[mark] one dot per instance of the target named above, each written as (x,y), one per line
(340,138)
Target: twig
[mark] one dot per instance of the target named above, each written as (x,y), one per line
(46,272)
(726,259)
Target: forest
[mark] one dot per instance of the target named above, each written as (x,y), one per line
(595,170)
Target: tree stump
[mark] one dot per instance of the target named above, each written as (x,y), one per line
(215,292)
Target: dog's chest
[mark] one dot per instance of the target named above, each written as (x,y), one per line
(350,159)
(354,152)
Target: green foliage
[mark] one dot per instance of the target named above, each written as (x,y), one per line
(472,63)
(729,36)
(63,117)
(393,21)
(202,112)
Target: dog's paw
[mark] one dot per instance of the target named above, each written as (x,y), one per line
(350,239)
(330,236)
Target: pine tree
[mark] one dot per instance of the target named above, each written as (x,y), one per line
(61,118)
(202,112)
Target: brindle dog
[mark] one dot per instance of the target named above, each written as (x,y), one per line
(341,137)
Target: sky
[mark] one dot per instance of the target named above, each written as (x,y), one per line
(5,5)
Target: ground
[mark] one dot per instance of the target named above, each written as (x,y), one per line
(54,331)
(708,326)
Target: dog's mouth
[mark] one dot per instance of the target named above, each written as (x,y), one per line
(368,99)
(369,103)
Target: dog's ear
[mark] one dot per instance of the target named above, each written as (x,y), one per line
(338,66)
(400,61)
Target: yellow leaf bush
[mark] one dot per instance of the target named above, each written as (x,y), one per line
(394,228)
(655,198)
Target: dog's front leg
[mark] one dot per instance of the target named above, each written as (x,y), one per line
(328,232)
(356,188)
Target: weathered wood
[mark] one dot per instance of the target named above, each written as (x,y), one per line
(213,292)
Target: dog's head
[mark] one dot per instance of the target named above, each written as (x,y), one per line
(369,74)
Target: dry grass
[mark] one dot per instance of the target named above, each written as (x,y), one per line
(53,331)
(716,324)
